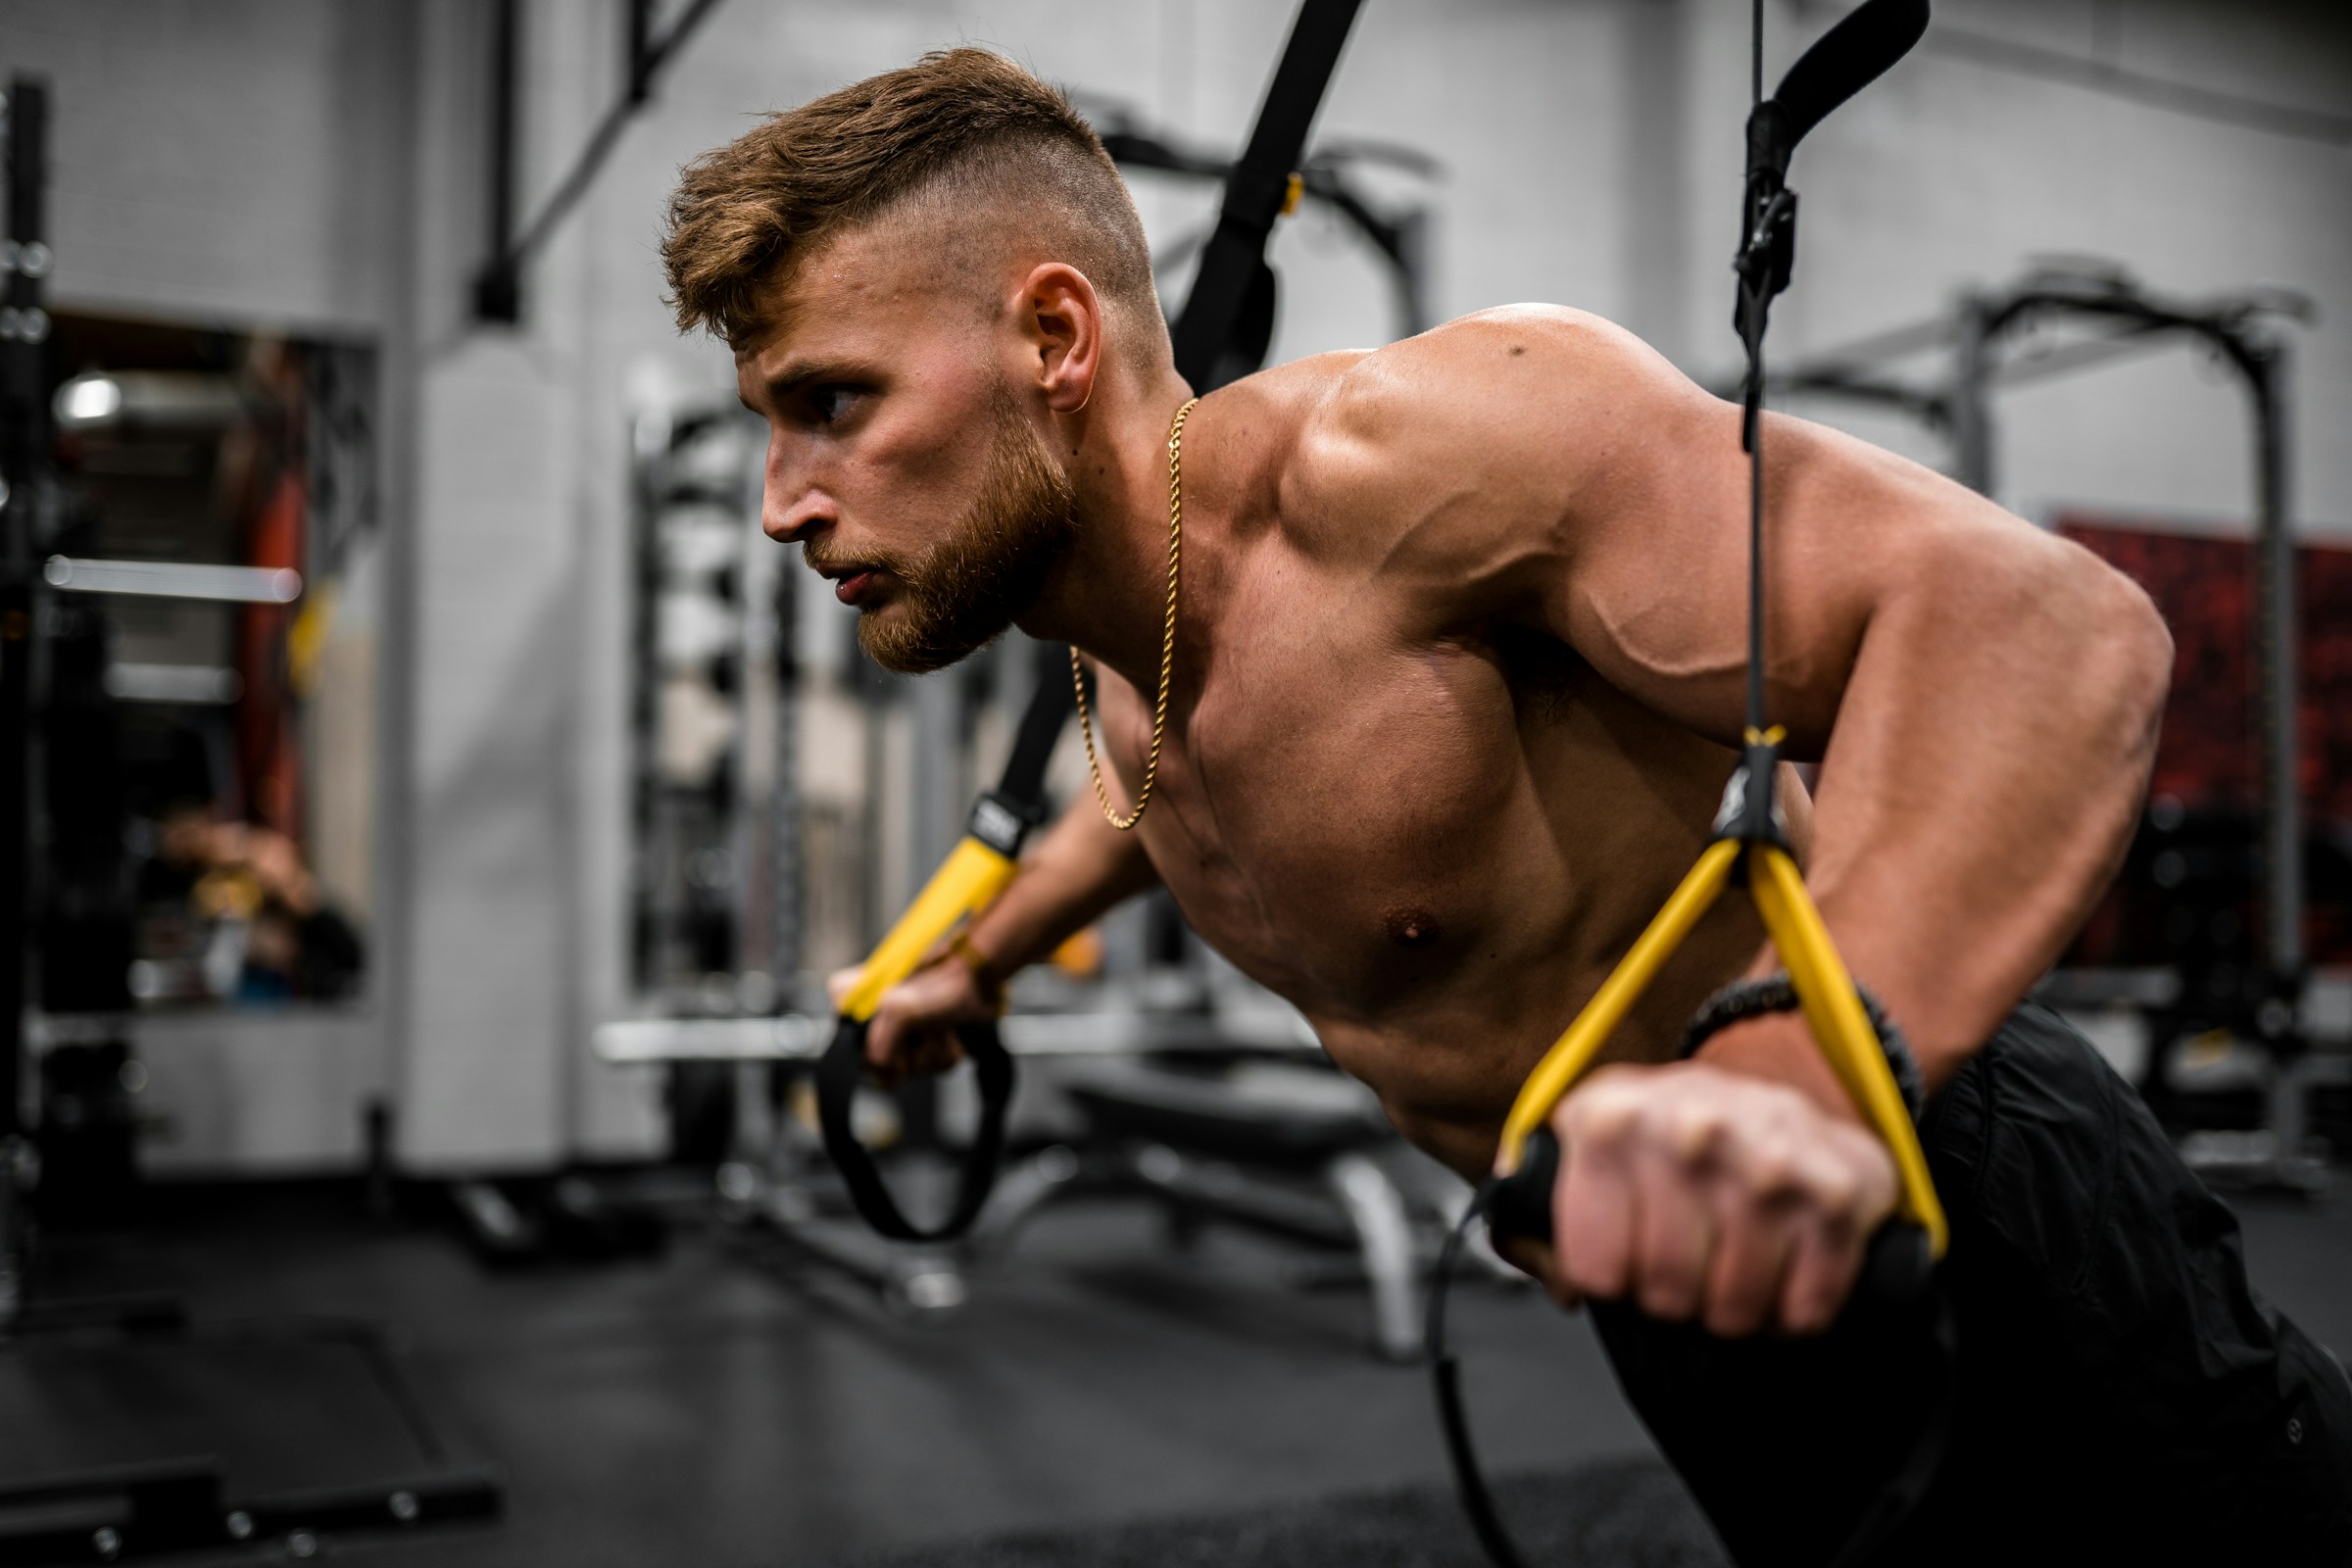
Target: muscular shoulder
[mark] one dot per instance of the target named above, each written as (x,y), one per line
(1475,439)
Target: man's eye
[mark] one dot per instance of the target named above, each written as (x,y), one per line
(831,403)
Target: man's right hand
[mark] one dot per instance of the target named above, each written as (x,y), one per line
(914,1030)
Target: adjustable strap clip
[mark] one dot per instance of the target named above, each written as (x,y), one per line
(1004,822)
(1751,810)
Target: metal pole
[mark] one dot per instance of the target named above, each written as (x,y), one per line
(2274,651)
(24,446)
(497,295)
(1972,418)
(784,940)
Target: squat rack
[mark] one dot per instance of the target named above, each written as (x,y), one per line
(2116,317)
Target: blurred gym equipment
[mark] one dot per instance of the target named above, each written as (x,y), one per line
(2076,317)
(1229,1115)
(498,284)
(135,1432)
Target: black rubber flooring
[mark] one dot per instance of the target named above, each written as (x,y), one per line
(1102,1398)
(1609,1513)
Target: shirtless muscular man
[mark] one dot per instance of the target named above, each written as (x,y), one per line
(1456,682)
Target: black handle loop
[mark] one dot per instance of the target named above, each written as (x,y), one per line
(838,1075)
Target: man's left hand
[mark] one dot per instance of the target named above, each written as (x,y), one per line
(1705,1193)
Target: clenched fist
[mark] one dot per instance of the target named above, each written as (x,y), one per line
(914,1030)
(1702,1192)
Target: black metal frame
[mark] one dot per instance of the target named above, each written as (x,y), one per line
(23,456)
(2134,320)
(497,285)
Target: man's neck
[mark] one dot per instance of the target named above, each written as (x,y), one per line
(1108,594)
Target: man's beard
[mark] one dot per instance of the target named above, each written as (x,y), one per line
(988,566)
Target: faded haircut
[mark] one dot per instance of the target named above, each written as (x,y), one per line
(959,128)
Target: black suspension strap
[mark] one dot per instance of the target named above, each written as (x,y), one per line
(1228,319)
(1749,845)
(1221,334)
(974,873)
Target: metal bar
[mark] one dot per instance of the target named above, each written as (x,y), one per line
(505,55)
(640,50)
(804,1037)
(2063,358)
(173,579)
(787,914)
(201,685)
(24,446)
(2275,649)
(1972,414)
(497,285)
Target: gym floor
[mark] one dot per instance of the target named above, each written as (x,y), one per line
(728,1403)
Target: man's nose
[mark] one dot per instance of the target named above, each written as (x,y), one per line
(789,518)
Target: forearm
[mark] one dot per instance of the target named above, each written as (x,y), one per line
(1980,784)
(1080,868)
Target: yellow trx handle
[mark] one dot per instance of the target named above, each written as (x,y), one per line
(1843,1029)
(1832,1010)
(967,882)
(1565,1062)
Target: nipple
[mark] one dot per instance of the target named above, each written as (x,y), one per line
(1410,927)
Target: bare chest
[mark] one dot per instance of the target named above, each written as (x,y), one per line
(1386,831)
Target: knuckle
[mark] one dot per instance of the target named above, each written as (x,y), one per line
(1605,1113)
(1773,1176)
(1696,1135)
(1838,1195)
(1666,1297)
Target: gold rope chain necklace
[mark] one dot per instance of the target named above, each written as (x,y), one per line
(1167,645)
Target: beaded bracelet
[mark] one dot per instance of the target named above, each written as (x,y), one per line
(1743,999)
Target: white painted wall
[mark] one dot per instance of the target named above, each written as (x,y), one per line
(283,160)
(223,159)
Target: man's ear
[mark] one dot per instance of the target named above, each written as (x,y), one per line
(1060,320)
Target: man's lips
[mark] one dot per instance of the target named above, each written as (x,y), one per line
(850,583)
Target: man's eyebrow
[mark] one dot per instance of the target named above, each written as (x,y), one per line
(799,374)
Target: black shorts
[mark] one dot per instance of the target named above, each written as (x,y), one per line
(2123,1394)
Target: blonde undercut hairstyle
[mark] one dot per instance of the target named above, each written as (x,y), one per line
(962,129)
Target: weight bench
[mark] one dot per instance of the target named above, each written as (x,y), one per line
(1289,1150)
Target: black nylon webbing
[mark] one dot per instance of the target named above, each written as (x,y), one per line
(1256,190)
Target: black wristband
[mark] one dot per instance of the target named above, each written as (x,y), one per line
(1743,999)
